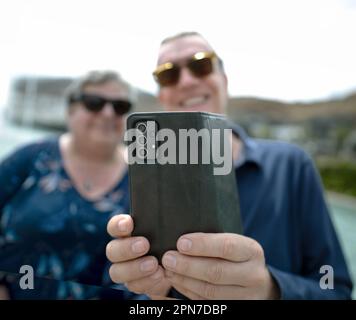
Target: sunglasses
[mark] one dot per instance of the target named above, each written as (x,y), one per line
(200,65)
(94,103)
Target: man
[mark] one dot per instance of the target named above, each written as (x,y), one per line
(288,240)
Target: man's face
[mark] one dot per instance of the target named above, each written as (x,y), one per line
(192,93)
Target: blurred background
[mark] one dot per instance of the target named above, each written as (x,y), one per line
(291,67)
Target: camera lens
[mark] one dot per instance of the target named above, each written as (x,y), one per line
(141,140)
(142,127)
(142,152)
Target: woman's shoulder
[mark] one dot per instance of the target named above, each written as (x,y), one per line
(44,142)
(29,151)
(16,167)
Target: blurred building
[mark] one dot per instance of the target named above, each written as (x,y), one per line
(38,101)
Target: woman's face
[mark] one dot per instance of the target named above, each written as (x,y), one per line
(103,127)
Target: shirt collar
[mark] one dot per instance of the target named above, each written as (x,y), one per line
(251,153)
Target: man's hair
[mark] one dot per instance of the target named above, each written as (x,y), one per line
(93,78)
(182,35)
(191,34)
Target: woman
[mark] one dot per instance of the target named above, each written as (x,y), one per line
(57,195)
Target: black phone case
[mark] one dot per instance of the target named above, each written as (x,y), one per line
(173,199)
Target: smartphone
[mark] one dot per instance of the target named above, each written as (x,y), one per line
(178,181)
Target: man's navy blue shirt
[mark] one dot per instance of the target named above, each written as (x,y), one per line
(283,208)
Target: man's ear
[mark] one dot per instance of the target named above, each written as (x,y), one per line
(225,81)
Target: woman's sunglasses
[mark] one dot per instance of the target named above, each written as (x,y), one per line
(200,65)
(94,103)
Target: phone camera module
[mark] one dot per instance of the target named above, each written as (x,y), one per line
(141,140)
(142,127)
(142,152)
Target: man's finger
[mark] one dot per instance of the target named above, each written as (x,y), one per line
(120,225)
(211,270)
(125,249)
(133,270)
(155,284)
(197,289)
(227,246)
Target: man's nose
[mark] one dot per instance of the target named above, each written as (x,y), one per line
(187,79)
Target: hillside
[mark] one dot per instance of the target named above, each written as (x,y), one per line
(275,111)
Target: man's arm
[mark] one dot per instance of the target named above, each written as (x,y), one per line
(320,245)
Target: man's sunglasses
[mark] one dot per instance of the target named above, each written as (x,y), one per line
(200,65)
(94,103)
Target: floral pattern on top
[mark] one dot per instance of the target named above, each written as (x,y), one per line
(47,224)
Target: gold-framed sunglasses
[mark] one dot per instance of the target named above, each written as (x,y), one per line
(200,65)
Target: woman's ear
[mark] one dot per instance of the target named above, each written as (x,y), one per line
(226,82)
(70,109)
(69,113)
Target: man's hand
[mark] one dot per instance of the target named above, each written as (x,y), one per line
(4,294)
(219,266)
(140,274)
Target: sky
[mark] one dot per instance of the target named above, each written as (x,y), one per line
(291,50)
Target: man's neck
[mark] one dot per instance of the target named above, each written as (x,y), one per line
(237,148)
